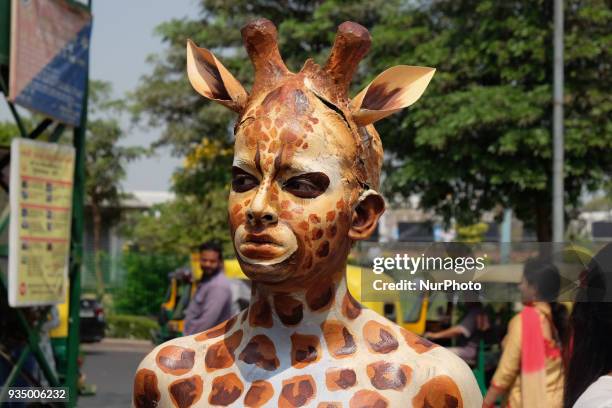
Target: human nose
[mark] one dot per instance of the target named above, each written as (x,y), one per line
(260,211)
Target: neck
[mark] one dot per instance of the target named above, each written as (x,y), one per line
(303,309)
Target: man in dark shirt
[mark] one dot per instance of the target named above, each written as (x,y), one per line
(212,301)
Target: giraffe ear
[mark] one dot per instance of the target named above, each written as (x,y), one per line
(212,80)
(393,90)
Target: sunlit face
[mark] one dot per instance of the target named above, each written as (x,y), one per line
(292,187)
(210,261)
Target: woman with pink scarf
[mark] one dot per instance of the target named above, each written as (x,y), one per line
(530,371)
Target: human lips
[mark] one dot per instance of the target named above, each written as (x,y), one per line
(261,246)
(265,248)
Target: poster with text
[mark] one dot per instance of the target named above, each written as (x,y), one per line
(41,207)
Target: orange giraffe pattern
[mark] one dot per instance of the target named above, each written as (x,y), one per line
(306,168)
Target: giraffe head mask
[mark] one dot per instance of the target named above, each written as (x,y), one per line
(307,159)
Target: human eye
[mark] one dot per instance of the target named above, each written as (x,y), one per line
(308,185)
(243,181)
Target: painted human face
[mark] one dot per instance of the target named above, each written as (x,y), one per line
(292,187)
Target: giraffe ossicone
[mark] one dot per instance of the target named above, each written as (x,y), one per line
(305,176)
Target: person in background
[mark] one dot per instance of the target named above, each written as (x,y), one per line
(468,331)
(530,371)
(588,380)
(212,301)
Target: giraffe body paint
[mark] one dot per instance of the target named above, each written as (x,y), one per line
(306,168)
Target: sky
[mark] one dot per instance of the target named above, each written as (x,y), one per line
(122,38)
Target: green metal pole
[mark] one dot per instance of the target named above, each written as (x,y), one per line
(14,372)
(78,215)
(78,207)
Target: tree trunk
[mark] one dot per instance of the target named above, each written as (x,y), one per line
(543,223)
(97,228)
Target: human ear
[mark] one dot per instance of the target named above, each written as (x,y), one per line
(365,216)
(393,90)
(212,80)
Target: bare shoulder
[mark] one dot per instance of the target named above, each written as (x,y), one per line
(440,377)
(167,374)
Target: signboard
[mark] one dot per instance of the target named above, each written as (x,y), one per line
(39,235)
(49,57)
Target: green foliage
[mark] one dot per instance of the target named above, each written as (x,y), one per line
(8,131)
(106,158)
(146,282)
(178,226)
(130,327)
(481,135)
(472,233)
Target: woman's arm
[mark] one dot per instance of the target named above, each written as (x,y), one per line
(509,364)
(445,334)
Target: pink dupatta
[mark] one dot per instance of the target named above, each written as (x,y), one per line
(533,360)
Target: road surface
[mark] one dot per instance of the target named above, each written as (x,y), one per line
(111,365)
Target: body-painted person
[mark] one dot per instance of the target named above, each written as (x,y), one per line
(306,169)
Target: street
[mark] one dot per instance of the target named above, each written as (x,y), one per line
(110,365)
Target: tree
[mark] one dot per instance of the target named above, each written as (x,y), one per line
(180,225)
(481,135)
(105,164)
(8,131)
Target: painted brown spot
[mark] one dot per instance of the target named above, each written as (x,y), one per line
(340,378)
(221,354)
(368,399)
(417,343)
(320,296)
(439,392)
(379,97)
(218,330)
(303,226)
(236,208)
(330,216)
(351,309)
(331,231)
(329,405)
(305,146)
(289,310)
(186,391)
(258,394)
(379,337)
(323,249)
(305,349)
(146,394)
(175,360)
(297,391)
(260,314)
(225,390)
(286,215)
(385,375)
(317,233)
(314,218)
(340,342)
(260,351)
